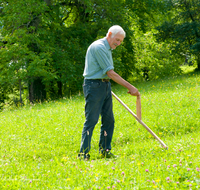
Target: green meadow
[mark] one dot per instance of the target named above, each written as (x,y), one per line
(39,143)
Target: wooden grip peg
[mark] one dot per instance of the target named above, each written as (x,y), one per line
(138,107)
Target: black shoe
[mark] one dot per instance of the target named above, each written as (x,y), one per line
(107,154)
(84,156)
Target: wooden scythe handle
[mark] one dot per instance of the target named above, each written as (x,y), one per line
(141,122)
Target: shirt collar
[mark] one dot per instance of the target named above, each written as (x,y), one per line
(107,44)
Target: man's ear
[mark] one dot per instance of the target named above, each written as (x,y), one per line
(110,34)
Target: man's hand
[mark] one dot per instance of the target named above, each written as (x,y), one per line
(133,91)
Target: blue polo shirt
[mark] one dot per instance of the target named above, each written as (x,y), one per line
(98,60)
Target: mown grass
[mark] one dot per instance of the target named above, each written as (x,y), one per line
(39,143)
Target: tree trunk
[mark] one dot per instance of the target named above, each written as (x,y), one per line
(59,83)
(48,2)
(20,90)
(37,91)
(31,96)
(198,63)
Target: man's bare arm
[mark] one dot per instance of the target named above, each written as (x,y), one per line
(118,79)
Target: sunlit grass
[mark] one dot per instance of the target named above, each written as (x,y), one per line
(39,143)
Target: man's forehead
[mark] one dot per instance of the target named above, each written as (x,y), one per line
(119,36)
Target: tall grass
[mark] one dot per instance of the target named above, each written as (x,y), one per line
(39,143)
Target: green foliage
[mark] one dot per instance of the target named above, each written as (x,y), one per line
(47,42)
(182,29)
(43,43)
(155,60)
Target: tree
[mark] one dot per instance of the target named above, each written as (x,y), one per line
(154,60)
(182,29)
(23,58)
(45,43)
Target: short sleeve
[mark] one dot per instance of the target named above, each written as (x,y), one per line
(104,58)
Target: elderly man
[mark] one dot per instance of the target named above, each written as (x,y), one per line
(98,71)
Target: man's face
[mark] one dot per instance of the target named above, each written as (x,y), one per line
(116,40)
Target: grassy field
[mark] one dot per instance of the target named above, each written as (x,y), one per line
(39,143)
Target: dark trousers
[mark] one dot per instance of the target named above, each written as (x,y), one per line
(98,101)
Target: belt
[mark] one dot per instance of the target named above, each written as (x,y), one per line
(105,80)
(102,80)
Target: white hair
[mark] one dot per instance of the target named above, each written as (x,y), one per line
(116,29)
